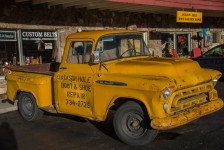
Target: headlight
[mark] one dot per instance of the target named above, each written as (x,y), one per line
(166,93)
(165,107)
(215,80)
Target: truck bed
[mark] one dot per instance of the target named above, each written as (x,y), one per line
(37,68)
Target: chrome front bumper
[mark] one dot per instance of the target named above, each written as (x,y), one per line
(187,115)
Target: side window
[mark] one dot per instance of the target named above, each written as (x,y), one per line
(215,52)
(222,49)
(79,52)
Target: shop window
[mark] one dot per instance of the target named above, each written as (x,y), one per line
(38,46)
(9,53)
(38,50)
(182,45)
(8,50)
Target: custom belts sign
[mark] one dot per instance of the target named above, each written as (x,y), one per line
(7,35)
(33,35)
(189,17)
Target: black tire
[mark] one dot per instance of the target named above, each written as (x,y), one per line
(132,125)
(28,108)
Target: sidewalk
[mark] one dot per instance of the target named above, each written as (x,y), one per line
(6,106)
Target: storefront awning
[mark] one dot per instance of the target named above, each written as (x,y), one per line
(210,8)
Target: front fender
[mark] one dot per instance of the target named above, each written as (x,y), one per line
(155,83)
(146,89)
(213,73)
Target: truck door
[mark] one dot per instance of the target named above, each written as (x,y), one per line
(73,83)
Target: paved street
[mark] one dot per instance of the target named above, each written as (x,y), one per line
(68,132)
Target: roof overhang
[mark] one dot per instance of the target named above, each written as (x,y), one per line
(210,8)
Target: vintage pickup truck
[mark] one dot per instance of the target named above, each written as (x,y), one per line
(113,71)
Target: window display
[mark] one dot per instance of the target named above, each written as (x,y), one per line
(167,44)
(182,44)
(38,46)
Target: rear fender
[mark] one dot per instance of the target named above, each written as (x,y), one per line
(40,86)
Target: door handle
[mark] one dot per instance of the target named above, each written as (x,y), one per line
(63,68)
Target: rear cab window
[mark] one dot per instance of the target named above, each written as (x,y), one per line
(79,52)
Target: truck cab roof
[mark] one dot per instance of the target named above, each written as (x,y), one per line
(97,34)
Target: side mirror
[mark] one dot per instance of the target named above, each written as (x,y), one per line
(96,57)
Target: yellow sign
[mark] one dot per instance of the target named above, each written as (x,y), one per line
(189,17)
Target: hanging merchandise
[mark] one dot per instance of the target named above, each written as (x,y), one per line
(182,45)
(167,44)
(207,37)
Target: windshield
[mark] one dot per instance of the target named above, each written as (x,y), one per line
(216,51)
(121,46)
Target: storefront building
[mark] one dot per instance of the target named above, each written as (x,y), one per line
(27,46)
(37,30)
(186,41)
(8,44)
(38,46)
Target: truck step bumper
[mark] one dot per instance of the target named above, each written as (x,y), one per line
(186,116)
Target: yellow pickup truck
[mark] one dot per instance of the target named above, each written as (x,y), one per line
(113,71)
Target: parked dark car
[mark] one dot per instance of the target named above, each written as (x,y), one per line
(213,59)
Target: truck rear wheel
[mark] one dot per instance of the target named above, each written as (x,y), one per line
(28,108)
(132,125)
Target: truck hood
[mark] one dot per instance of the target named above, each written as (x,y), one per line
(184,72)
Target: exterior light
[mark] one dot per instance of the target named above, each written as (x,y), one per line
(165,107)
(215,80)
(166,93)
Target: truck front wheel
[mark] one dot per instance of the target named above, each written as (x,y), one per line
(132,125)
(28,108)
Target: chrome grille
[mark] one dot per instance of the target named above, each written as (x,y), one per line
(189,97)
